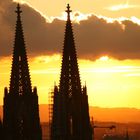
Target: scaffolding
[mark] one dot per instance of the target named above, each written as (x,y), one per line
(50,111)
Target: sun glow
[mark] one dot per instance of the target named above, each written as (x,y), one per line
(75,16)
(105,79)
(104,58)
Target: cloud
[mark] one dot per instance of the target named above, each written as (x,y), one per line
(94,36)
(122,7)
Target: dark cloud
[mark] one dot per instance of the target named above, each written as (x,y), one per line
(97,37)
(93,37)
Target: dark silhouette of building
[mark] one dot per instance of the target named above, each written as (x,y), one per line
(127,136)
(21,112)
(116,137)
(70,115)
(113,137)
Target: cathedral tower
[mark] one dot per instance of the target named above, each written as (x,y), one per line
(70,118)
(21,112)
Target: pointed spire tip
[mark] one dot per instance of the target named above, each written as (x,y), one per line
(68,6)
(18,10)
(68,9)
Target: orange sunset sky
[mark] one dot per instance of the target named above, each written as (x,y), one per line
(107,38)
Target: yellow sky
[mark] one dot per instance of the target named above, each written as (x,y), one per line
(110,82)
(109,8)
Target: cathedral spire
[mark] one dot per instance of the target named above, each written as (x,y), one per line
(18,11)
(70,71)
(70,119)
(20,77)
(21,111)
(68,12)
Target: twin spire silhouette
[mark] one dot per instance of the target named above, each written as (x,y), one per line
(70,109)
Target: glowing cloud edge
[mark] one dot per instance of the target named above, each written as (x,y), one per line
(77,16)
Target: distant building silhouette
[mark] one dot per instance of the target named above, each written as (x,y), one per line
(113,137)
(127,136)
(70,115)
(116,137)
(21,112)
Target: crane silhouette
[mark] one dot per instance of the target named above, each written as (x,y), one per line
(101,127)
